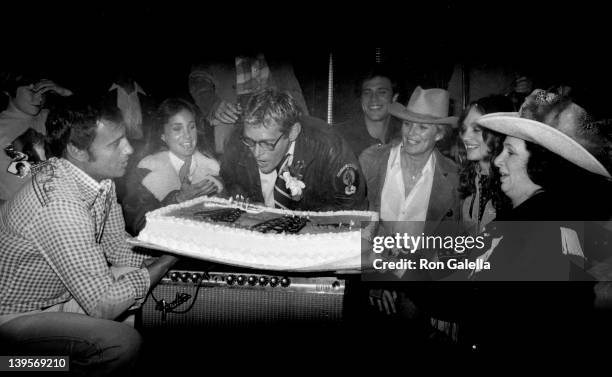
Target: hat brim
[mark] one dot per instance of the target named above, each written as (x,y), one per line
(546,136)
(399,111)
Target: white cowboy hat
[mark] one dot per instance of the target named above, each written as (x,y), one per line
(425,106)
(568,118)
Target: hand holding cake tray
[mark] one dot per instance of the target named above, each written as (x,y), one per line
(248,235)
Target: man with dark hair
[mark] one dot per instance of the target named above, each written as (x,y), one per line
(287,160)
(68,272)
(374,125)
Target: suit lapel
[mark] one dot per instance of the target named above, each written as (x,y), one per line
(382,163)
(441,197)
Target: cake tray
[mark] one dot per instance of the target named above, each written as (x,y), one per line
(352,266)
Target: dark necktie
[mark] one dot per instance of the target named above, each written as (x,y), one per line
(184,171)
(282,198)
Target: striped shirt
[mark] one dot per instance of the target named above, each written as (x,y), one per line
(59,236)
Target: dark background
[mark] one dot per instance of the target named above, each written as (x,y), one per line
(84,46)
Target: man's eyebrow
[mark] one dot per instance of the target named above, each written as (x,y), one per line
(117,139)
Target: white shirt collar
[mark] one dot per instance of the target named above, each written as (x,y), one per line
(429,165)
(137,88)
(290,152)
(91,186)
(177,163)
(88,180)
(395,204)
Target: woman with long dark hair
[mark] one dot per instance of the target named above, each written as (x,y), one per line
(479,185)
(176,169)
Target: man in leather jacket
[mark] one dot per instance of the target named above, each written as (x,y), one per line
(286,160)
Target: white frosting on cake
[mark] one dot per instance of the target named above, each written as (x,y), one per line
(225,243)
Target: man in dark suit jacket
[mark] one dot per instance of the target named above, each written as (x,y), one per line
(286,160)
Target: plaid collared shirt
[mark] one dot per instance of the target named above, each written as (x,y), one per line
(58,236)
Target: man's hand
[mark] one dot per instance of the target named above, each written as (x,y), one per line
(44,86)
(523,85)
(160,266)
(189,191)
(148,262)
(603,295)
(226,113)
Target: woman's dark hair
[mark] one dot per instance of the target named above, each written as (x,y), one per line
(12,81)
(551,171)
(166,110)
(584,195)
(494,142)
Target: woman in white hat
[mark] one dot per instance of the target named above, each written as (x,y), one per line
(543,172)
(546,173)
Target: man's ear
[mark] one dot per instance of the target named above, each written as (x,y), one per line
(76,153)
(395,96)
(295,131)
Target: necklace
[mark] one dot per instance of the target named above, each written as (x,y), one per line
(407,165)
(413,177)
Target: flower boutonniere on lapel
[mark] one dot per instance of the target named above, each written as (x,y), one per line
(293,180)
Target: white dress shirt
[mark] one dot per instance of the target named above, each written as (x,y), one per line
(395,205)
(177,164)
(129,104)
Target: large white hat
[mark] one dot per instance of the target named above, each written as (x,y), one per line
(557,127)
(425,106)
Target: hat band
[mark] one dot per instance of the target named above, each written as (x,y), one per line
(425,116)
